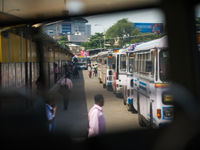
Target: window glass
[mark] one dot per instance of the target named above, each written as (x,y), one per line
(131,62)
(163,61)
(123,62)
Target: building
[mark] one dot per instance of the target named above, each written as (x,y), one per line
(77,29)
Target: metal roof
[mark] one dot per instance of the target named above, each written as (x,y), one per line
(158,43)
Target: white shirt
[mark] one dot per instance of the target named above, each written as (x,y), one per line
(97,124)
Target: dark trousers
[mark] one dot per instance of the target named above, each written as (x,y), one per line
(66,95)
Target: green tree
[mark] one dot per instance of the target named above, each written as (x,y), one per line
(95,41)
(122,29)
(63,41)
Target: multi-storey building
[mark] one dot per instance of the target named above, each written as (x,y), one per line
(76,29)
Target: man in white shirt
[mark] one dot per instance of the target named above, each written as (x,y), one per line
(97,124)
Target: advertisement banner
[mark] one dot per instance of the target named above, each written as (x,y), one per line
(150,27)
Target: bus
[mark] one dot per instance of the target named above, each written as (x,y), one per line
(127,89)
(105,69)
(119,71)
(151,98)
(81,61)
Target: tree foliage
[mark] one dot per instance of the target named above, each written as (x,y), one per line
(95,41)
(122,33)
(63,41)
(123,28)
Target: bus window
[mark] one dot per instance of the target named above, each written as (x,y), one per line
(148,64)
(163,58)
(136,63)
(123,63)
(152,61)
(131,62)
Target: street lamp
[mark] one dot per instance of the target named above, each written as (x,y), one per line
(103,33)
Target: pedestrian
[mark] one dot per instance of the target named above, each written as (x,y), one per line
(65,89)
(96,118)
(51,112)
(95,70)
(89,71)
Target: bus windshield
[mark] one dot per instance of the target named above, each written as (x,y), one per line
(131,62)
(82,59)
(163,65)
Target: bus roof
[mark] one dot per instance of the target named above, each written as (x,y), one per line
(103,53)
(122,51)
(158,43)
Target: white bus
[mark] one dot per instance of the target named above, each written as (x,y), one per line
(104,61)
(128,87)
(119,71)
(151,98)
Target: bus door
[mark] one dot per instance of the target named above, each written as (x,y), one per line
(130,77)
(115,71)
(122,73)
(109,72)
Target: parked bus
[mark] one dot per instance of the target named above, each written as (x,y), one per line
(119,71)
(127,89)
(151,97)
(82,62)
(105,69)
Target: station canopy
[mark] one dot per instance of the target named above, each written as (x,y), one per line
(12,10)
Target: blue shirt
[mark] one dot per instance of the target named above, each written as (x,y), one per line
(49,112)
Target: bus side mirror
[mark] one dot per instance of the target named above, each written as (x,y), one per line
(148,66)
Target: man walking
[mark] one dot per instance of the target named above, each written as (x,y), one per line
(66,86)
(96,118)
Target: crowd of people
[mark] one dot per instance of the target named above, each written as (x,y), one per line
(92,70)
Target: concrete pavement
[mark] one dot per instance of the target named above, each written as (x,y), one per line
(74,121)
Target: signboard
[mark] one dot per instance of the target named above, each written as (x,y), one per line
(150,27)
(84,53)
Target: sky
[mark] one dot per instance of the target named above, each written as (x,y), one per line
(100,23)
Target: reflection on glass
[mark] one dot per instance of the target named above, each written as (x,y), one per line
(163,65)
